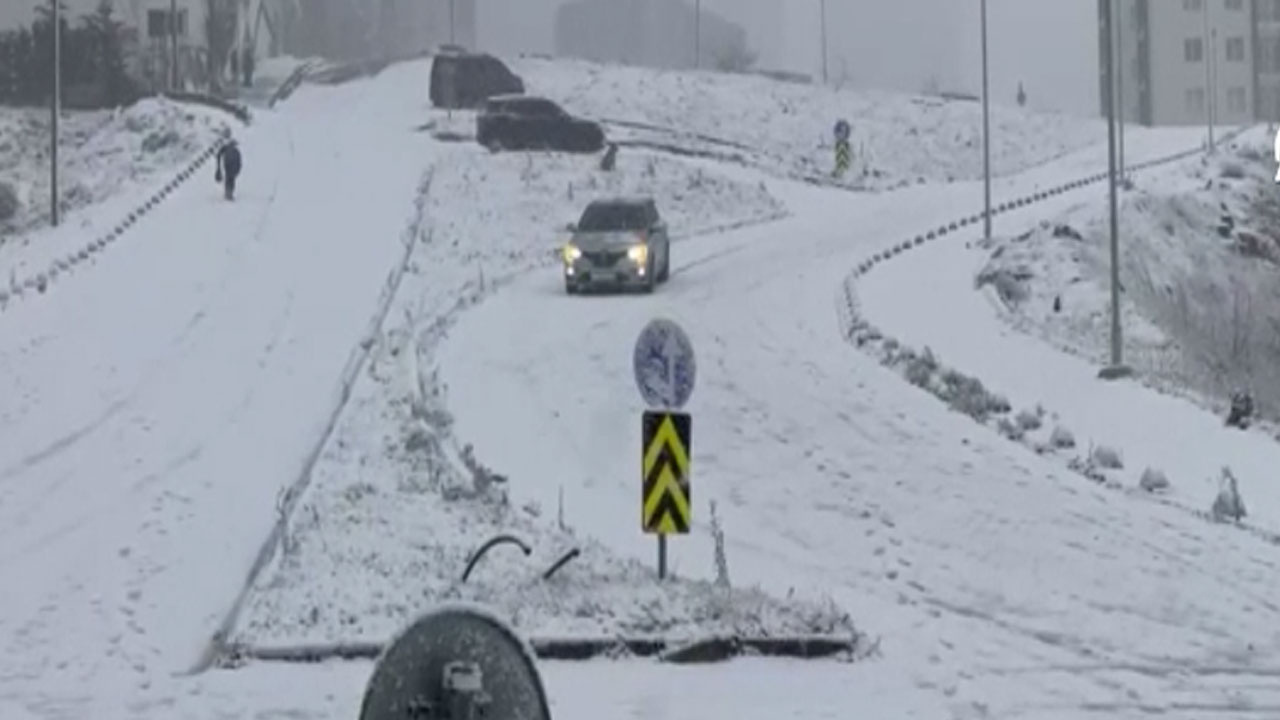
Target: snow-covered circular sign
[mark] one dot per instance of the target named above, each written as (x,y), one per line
(842,130)
(664,365)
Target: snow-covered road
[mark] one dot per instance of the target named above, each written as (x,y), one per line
(972,557)
(157,402)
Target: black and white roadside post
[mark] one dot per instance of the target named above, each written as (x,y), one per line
(1117,368)
(665,370)
(55,110)
(986,132)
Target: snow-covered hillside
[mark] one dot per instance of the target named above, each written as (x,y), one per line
(787,127)
(1199,256)
(101,155)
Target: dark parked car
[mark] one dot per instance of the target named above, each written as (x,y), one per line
(618,242)
(461,80)
(524,122)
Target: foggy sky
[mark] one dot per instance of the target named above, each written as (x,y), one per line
(1048,45)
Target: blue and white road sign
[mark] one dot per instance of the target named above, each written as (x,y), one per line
(842,130)
(664,365)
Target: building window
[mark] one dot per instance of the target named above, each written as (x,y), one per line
(1236,99)
(1194,5)
(1235,49)
(1235,4)
(1195,100)
(158,23)
(1193,50)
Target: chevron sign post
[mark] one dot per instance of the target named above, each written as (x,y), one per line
(665,370)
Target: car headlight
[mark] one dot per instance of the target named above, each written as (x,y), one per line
(638,253)
(571,252)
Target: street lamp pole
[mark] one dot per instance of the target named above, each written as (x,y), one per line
(697,33)
(822,19)
(453,38)
(1119,68)
(55,111)
(1117,368)
(173,45)
(1208,75)
(986,132)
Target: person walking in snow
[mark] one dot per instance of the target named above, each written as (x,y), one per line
(228,167)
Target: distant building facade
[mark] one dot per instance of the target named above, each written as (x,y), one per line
(652,33)
(1184,59)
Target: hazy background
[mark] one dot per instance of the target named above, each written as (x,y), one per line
(1049,45)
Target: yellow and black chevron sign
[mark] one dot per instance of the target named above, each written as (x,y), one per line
(842,156)
(667,438)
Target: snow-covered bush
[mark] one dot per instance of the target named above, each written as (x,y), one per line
(1010,429)
(8,201)
(1105,456)
(1153,480)
(721,556)
(1062,438)
(1228,505)
(1030,420)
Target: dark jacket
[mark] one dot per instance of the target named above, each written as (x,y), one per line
(229,159)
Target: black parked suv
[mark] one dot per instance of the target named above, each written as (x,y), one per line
(461,80)
(524,122)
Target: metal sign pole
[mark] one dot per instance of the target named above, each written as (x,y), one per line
(986,132)
(55,111)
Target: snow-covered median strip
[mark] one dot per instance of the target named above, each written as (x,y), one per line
(398,505)
(1049,428)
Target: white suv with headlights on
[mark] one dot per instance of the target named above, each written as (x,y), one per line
(617,243)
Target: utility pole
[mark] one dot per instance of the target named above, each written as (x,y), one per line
(986,132)
(697,33)
(822,18)
(1117,368)
(55,111)
(173,45)
(1119,68)
(1208,76)
(453,37)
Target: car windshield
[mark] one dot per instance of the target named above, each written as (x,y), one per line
(604,217)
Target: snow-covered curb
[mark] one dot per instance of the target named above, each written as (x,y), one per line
(38,282)
(967,394)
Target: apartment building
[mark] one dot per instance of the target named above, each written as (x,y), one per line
(1182,60)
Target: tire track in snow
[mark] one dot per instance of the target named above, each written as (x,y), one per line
(295,490)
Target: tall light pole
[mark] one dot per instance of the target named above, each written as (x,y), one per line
(1208,76)
(986,132)
(173,45)
(697,33)
(1119,68)
(55,110)
(1117,368)
(822,21)
(453,37)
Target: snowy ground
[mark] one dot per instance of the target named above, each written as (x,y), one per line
(896,139)
(1198,263)
(107,156)
(138,478)
(394,498)
(998,582)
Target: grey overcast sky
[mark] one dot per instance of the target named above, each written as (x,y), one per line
(1048,45)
